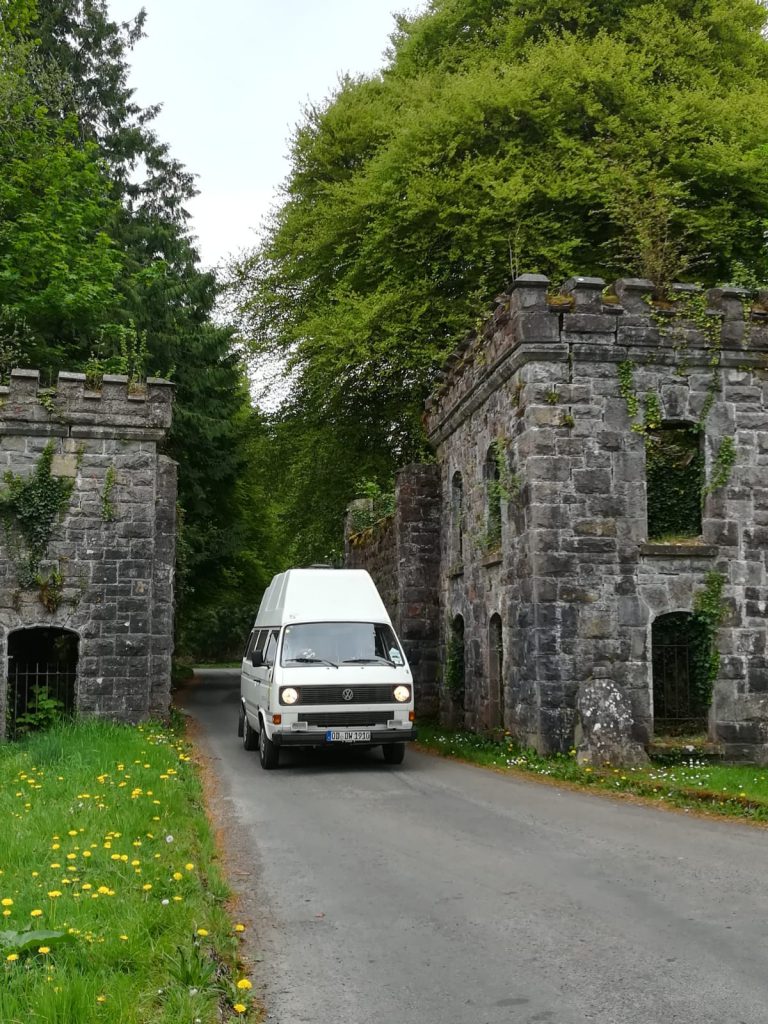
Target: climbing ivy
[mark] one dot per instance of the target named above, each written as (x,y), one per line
(30,508)
(709,610)
(722,468)
(674,471)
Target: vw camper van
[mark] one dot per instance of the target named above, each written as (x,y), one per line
(323,668)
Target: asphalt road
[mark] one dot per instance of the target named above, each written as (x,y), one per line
(438,893)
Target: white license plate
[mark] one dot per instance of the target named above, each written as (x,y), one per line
(348,735)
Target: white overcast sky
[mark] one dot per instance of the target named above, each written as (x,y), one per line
(232,77)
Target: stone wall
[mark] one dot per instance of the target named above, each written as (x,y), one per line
(574,580)
(402,555)
(115,543)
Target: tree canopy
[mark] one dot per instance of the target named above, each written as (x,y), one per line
(98,271)
(565,137)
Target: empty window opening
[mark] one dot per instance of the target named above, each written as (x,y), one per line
(674,473)
(42,671)
(682,684)
(457,517)
(455,666)
(495,674)
(493,499)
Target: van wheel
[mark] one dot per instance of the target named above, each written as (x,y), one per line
(250,736)
(240,720)
(393,752)
(269,754)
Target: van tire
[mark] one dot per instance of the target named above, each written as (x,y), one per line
(269,754)
(250,736)
(393,752)
(240,720)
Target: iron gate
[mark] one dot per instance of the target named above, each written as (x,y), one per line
(30,683)
(674,699)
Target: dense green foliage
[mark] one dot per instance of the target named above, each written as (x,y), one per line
(674,467)
(98,271)
(501,137)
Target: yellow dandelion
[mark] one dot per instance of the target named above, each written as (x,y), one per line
(189,867)
(35,913)
(239,1008)
(44,950)
(239,927)
(11,957)
(7,902)
(202,931)
(244,984)
(177,876)
(147,886)
(101,999)
(123,938)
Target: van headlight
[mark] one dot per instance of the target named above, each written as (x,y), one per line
(402,694)
(289,695)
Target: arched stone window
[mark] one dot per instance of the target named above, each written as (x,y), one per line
(493,489)
(455,665)
(495,673)
(42,667)
(682,683)
(457,518)
(674,474)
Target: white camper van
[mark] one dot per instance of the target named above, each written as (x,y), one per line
(323,667)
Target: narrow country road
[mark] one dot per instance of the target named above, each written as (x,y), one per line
(438,893)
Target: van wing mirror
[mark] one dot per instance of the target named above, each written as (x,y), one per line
(257,659)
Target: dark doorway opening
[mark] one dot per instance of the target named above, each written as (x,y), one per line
(682,686)
(42,672)
(495,674)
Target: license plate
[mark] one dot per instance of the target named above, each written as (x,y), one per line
(348,735)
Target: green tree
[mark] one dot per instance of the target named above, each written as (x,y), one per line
(501,137)
(127,288)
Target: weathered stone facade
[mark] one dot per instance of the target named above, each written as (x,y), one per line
(533,416)
(114,545)
(402,555)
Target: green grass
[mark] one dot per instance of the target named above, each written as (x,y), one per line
(680,779)
(106,847)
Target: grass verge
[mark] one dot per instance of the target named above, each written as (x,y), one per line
(113,908)
(682,780)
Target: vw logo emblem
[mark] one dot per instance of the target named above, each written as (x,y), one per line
(347,694)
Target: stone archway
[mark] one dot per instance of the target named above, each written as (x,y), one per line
(42,668)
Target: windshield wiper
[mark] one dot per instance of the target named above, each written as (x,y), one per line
(314,661)
(367,661)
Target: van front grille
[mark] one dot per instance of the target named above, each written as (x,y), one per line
(331,719)
(380,693)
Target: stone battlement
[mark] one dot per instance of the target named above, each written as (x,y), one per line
(70,410)
(590,322)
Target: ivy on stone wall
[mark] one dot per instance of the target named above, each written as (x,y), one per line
(674,470)
(455,668)
(30,508)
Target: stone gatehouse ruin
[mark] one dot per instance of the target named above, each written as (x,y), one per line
(592,569)
(87,548)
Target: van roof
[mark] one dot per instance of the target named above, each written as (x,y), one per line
(321,595)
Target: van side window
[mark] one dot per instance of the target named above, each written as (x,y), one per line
(270,648)
(257,641)
(249,641)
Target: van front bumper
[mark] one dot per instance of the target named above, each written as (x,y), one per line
(317,739)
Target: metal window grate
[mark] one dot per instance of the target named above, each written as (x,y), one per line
(27,681)
(674,704)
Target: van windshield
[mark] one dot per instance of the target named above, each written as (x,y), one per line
(340,643)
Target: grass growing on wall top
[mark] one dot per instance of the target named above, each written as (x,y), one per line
(113,908)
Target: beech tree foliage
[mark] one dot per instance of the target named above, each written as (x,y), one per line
(566,136)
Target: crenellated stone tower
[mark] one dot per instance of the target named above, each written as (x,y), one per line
(98,593)
(569,613)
